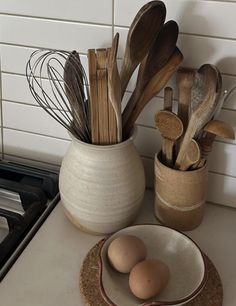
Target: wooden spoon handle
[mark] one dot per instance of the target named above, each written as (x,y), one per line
(189,134)
(206,144)
(135,95)
(154,86)
(167,151)
(168,98)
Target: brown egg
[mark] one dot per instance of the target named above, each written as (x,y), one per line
(125,252)
(148,278)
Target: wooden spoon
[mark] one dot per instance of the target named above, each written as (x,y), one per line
(213,128)
(192,155)
(114,85)
(171,128)
(157,82)
(203,107)
(184,81)
(142,33)
(158,55)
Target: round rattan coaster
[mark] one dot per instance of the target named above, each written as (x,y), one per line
(211,295)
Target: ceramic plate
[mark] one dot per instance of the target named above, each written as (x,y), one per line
(180,253)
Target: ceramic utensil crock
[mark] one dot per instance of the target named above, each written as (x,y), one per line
(180,195)
(101,187)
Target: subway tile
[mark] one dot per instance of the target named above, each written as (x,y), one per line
(34,147)
(15,58)
(53,34)
(82,11)
(31,119)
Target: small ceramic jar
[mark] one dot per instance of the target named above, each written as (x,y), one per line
(180,195)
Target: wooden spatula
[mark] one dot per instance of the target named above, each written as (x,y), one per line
(114,89)
(94,122)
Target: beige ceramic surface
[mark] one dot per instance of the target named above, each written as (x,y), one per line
(182,219)
(102,187)
(178,188)
(180,196)
(183,257)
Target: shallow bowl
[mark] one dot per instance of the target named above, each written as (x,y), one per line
(183,257)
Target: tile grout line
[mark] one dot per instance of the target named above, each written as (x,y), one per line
(55,19)
(35,133)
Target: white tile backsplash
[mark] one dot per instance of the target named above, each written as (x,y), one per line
(81,11)
(35,147)
(193,17)
(53,34)
(31,119)
(208,35)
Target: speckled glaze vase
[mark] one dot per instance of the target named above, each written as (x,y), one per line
(101,187)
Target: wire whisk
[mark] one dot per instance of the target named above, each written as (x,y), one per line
(58,82)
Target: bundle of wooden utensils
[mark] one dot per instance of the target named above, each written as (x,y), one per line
(188,137)
(92,111)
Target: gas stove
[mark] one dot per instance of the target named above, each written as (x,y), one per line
(27,196)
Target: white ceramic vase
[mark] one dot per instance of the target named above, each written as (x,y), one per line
(101,187)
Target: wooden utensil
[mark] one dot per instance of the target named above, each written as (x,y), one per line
(212,129)
(171,128)
(184,81)
(158,55)
(102,96)
(92,65)
(192,155)
(142,33)
(204,103)
(114,86)
(168,99)
(220,98)
(157,82)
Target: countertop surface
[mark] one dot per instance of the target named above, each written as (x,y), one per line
(47,272)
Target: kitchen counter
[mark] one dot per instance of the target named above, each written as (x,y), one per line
(47,272)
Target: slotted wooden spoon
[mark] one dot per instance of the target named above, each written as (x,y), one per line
(142,33)
(204,103)
(158,55)
(171,128)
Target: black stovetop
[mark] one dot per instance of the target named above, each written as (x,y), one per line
(37,191)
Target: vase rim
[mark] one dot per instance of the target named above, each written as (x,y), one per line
(105,147)
(157,160)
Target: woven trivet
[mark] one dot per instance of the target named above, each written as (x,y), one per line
(211,295)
